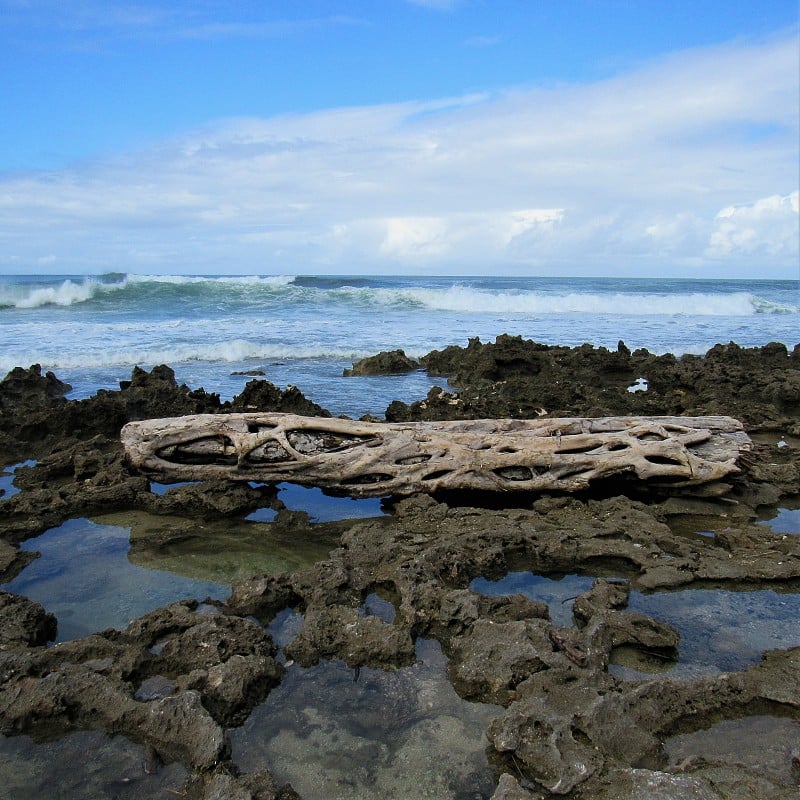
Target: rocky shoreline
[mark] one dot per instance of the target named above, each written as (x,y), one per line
(179,678)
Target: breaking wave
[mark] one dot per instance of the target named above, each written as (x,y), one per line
(699,304)
(286,291)
(225,352)
(74,291)
(67,293)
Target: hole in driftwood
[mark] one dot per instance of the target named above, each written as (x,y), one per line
(268,453)
(616,447)
(573,473)
(361,480)
(649,436)
(310,442)
(259,427)
(585,448)
(668,460)
(676,428)
(409,460)
(515,473)
(211,450)
(439,473)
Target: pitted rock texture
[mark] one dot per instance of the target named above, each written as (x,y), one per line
(176,678)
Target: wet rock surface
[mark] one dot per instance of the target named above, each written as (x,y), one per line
(386,363)
(177,679)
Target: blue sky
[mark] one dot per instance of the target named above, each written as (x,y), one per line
(436,136)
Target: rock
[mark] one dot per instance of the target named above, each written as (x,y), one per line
(209,641)
(176,677)
(13,561)
(260,395)
(212,499)
(513,377)
(393,362)
(224,784)
(26,389)
(492,659)
(23,622)
(179,729)
(547,746)
(358,640)
(234,687)
(508,788)
(263,596)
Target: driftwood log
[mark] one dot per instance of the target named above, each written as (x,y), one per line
(372,459)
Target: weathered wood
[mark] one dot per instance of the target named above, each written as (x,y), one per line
(366,459)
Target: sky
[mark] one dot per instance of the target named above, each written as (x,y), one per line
(434,137)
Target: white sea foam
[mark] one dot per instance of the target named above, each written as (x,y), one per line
(188,280)
(226,352)
(66,293)
(71,292)
(477,301)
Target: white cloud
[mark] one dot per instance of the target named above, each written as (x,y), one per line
(628,173)
(413,237)
(767,227)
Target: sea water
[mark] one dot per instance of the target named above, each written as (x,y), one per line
(303,330)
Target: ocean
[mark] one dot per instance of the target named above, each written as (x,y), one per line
(304,330)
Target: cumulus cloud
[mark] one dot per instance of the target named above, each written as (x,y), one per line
(659,169)
(767,227)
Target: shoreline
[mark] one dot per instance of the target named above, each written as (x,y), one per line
(569,725)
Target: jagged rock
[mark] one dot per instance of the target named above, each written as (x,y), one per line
(23,622)
(386,363)
(259,395)
(26,389)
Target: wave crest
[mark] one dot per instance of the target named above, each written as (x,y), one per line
(244,293)
(231,351)
(73,291)
(67,293)
(469,300)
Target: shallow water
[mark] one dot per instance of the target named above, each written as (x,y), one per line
(721,630)
(374,734)
(102,573)
(7,487)
(222,552)
(86,765)
(558,593)
(732,742)
(783,520)
(321,507)
(84,577)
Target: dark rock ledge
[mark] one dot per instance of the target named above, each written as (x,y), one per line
(176,678)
